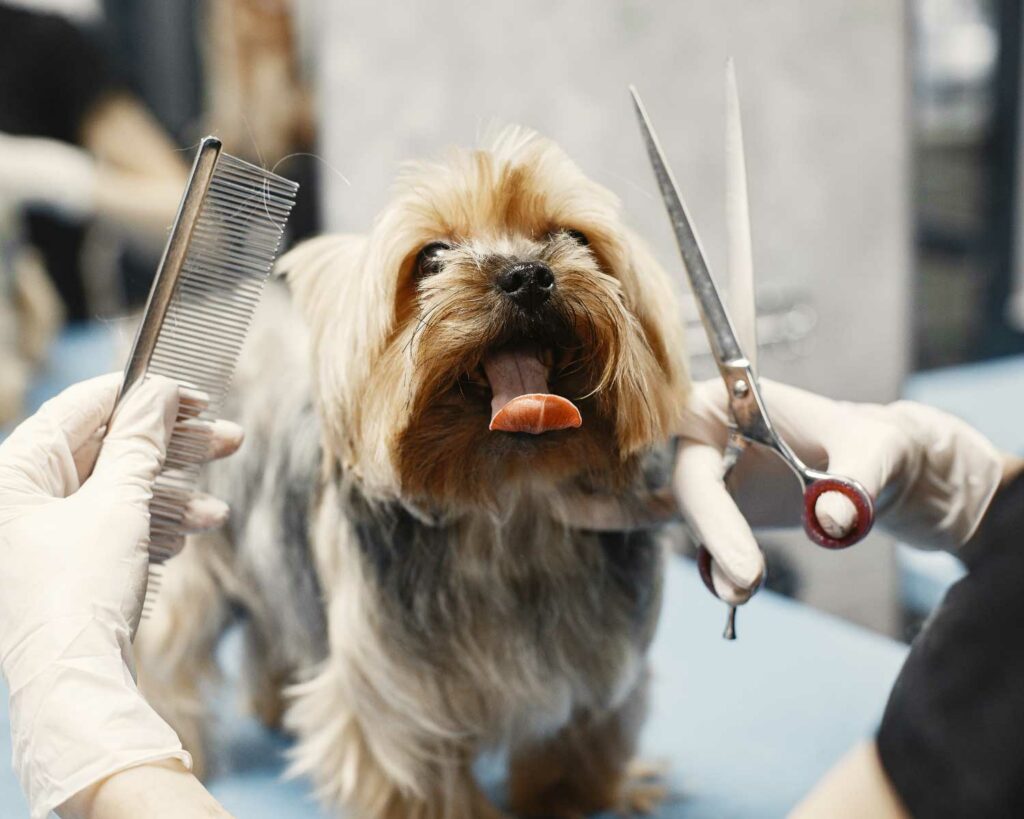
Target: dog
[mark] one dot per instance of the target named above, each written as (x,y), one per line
(421,410)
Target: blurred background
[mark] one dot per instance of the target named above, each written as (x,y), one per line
(883,151)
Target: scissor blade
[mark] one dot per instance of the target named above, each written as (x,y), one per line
(724,344)
(741,294)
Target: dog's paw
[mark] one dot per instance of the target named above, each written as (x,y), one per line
(642,790)
(638,792)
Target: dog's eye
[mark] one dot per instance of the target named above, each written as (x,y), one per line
(428,261)
(578,236)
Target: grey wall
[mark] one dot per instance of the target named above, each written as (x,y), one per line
(824,99)
(823,92)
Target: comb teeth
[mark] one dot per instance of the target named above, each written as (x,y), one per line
(232,223)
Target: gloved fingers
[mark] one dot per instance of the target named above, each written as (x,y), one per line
(706,418)
(41,455)
(947,480)
(836,514)
(134,449)
(225,439)
(192,401)
(82,409)
(873,456)
(830,435)
(717,522)
(728,591)
(204,512)
(805,421)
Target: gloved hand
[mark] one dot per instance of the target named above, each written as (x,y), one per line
(46,172)
(931,475)
(72,582)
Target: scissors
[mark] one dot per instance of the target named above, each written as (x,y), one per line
(751,423)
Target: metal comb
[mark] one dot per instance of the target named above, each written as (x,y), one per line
(222,246)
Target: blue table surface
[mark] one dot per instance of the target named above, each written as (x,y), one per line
(745,728)
(988,395)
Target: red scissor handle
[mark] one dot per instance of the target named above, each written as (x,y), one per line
(817,487)
(852,491)
(704,569)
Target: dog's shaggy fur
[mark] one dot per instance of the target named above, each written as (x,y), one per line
(407,572)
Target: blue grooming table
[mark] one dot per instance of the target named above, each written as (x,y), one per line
(987,395)
(745,728)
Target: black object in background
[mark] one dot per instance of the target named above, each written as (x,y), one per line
(964,193)
(997,336)
(52,74)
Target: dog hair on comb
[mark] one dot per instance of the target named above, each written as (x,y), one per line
(222,246)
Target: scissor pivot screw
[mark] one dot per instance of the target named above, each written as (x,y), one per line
(740,388)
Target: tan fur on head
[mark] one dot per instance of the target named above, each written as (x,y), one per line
(395,354)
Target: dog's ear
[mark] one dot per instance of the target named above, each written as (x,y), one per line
(656,302)
(319,268)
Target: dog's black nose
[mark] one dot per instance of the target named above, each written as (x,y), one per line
(528,283)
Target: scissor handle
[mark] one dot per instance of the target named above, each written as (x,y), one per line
(704,569)
(815,487)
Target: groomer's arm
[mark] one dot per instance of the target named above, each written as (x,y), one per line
(856,787)
(74,522)
(161,790)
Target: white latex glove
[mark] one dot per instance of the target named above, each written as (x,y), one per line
(46,172)
(72,582)
(931,475)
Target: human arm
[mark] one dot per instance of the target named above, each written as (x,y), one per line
(857,786)
(72,584)
(158,790)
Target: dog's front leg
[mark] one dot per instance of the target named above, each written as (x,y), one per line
(586,767)
(461,799)
(360,770)
(175,647)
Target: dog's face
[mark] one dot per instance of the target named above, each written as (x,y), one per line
(498,328)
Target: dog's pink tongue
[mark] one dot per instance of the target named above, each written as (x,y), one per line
(521,402)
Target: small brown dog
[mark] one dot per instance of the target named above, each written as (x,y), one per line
(401,537)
